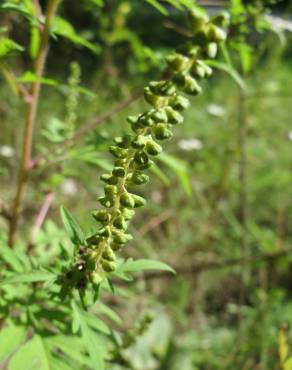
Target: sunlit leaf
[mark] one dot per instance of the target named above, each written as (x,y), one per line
(10,339)
(144,264)
(73,229)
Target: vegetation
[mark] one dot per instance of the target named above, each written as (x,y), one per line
(204,280)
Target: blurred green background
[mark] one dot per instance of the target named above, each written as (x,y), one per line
(219,203)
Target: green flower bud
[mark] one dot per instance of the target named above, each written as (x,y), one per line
(127,213)
(119,171)
(141,158)
(120,162)
(123,141)
(159,115)
(179,103)
(139,201)
(108,266)
(108,254)
(118,152)
(201,38)
(120,223)
(105,232)
(161,132)
(216,34)
(122,238)
(127,200)
(191,86)
(138,142)
(162,88)
(198,70)
(174,117)
(197,20)
(145,120)
(101,216)
(110,190)
(106,202)
(153,148)
(152,99)
(139,178)
(189,50)
(109,179)
(133,119)
(221,20)
(211,49)
(177,62)
(93,239)
(179,78)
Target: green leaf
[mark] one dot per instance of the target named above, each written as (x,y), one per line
(144,264)
(180,168)
(28,277)
(65,29)
(157,6)
(30,77)
(10,339)
(31,356)
(228,69)
(8,46)
(160,174)
(94,347)
(73,229)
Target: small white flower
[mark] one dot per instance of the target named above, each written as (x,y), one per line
(69,187)
(290,135)
(6,151)
(190,144)
(215,110)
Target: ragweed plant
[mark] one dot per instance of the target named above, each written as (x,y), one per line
(134,152)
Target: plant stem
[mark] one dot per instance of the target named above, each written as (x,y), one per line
(25,161)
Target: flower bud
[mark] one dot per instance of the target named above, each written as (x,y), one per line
(118,152)
(139,201)
(119,171)
(122,238)
(110,190)
(216,34)
(106,202)
(141,158)
(101,216)
(123,141)
(191,86)
(127,213)
(197,20)
(150,98)
(108,254)
(153,148)
(120,223)
(174,117)
(93,239)
(201,37)
(105,232)
(139,178)
(162,88)
(177,62)
(211,49)
(138,142)
(109,179)
(108,266)
(159,115)
(161,132)
(127,200)
(179,103)
(222,19)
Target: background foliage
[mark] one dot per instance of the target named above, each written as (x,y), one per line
(219,203)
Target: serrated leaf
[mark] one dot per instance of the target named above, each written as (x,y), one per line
(73,229)
(31,356)
(144,264)
(10,339)
(28,277)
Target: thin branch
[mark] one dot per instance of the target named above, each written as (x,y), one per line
(25,164)
(41,215)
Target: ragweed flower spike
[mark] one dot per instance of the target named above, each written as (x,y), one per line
(134,152)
